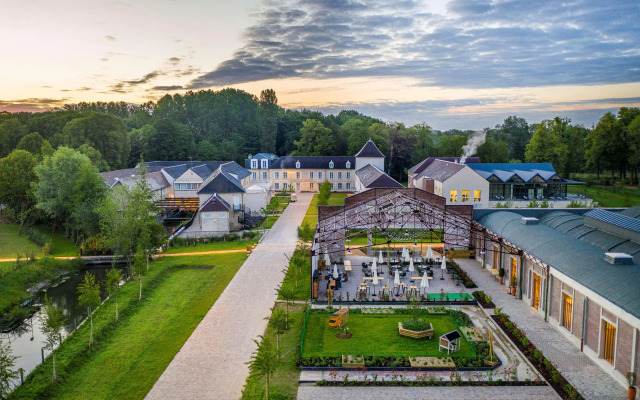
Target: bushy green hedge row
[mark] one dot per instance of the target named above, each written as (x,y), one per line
(41,239)
(230,237)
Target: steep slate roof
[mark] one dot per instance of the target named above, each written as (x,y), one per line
(370,150)
(371,178)
(419,167)
(215,203)
(260,156)
(226,179)
(440,170)
(156,180)
(112,177)
(155,166)
(578,259)
(202,169)
(313,162)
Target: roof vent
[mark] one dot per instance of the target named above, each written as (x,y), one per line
(618,258)
(529,221)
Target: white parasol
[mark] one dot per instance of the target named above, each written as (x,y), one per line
(411,268)
(404,251)
(444,265)
(375,277)
(335,271)
(396,279)
(424,283)
(429,253)
(380,259)
(327,260)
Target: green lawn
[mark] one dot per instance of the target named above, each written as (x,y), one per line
(132,354)
(301,288)
(285,380)
(213,246)
(11,243)
(608,196)
(376,335)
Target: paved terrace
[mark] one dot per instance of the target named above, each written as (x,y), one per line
(432,393)
(211,364)
(591,381)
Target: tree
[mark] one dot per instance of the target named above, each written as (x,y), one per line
(425,142)
(105,133)
(16,176)
(287,294)
(114,277)
(315,139)
(493,152)
(165,140)
(128,220)
(514,131)
(89,297)
(264,361)
(7,373)
(401,146)
(138,269)
(547,143)
(11,132)
(602,143)
(95,157)
(268,120)
(633,136)
(32,143)
(53,321)
(67,188)
(279,323)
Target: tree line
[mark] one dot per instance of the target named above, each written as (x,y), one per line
(230,124)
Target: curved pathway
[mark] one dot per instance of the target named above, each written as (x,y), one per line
(212,362)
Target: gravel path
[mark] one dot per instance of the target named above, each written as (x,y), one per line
(211,364)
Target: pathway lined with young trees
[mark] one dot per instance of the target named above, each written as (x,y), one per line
(212,363)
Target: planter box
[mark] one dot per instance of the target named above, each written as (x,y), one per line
(416,334)
(431,362)
(351,361)
(472,334)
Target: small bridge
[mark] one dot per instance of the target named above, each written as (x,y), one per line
(179,203)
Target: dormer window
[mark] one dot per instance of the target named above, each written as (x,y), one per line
(254,164)
(348,164)
(297,164)
(331,164)
(265,164)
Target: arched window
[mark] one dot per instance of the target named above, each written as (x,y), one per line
(348,164)
(297,164)
(331,164)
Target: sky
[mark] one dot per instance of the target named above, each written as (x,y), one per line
(450,64)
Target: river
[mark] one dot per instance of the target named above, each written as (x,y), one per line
(27,341)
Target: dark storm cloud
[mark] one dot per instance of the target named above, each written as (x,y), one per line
(166,88)
(480,44)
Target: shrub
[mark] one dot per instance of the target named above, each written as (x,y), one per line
(41,239)
(415,325)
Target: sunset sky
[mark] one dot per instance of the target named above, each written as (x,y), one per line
(451,64)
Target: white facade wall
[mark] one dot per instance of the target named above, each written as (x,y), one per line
(188,177)
(343,179)
(214,221)
(375,161)
(465,179)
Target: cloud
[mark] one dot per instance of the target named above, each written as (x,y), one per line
(144,79)
(174,60)
(484,44)
(34,104)
(166,88)
(110,38)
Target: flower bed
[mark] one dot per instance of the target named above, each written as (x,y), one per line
(416,329)
(432,362)
(472,334)
(484,299)
(468,282)
(352,361)
(544,366)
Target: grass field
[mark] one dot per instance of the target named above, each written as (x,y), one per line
(11,243)
(285,379)
(609,196)
(301,288)
(213,246)
(130,355)
(376,335)
(311,217)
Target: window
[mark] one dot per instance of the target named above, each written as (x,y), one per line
(265,164)
(222,215)
(453,196)
(187,186)
(348,165)
(310,175)
(265,176)
(330,175)
(297,164)
(331,164)
(536,291)
(254,176)
(609,342)
(476,196)
(254,164)
(465,196)
(339,175)
(276,175)
(319,175)
(567,307)
(311,186)
(514,265)
(297,175)
(285,175)
(333,186)
(298,187)
(348,175)
(339,185)
(348,185)
(277,186)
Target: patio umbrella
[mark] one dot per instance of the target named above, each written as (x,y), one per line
(404,251)
(327,260)
(407,258)
(374,265)
(411,268)
(335,271)
(376,280)
(396,279)
(380,259)
(424,283)
(429,253)
(444,265)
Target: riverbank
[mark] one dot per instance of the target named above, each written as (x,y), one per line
(130,355)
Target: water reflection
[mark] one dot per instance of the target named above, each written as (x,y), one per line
(28,340)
